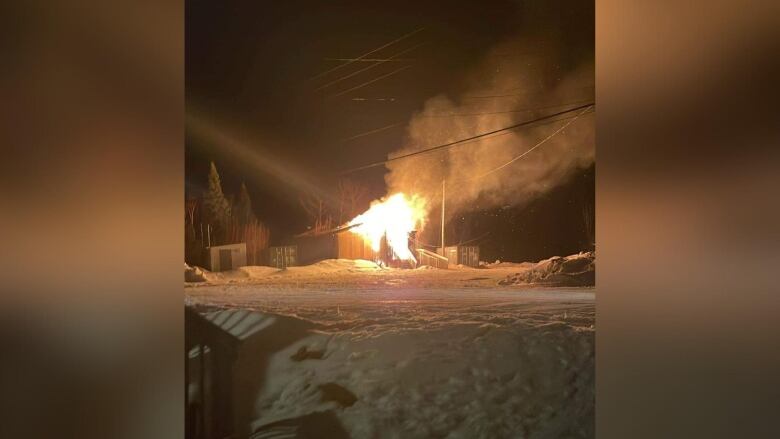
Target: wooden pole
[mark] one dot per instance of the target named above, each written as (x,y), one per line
(443,191)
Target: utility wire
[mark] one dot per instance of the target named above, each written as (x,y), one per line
(474,239)
(368,133)
(500,112)
(369,59)
(365,54)
(554,133)
(512,95)
(478,136)
(369,82)
(393,125)
(369,67)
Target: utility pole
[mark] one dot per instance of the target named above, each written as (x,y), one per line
(443,189)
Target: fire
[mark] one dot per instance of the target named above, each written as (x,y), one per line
(395,217)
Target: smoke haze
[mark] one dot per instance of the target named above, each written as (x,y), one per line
(514,77)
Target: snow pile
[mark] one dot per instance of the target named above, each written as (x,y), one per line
(335,266)
(499,264)
(249,273)
(258,271)
(425,267)
(198,274)
(193,274)
(574,270)
(412,363)
(460,380)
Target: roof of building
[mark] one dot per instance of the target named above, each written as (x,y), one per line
(339,229)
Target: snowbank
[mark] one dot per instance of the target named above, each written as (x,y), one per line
(499,264)
(334,266)
(459,380)
(574,270)
(411,363)
(248,273)
(193,274)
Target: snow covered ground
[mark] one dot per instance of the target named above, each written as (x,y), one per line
(418,353)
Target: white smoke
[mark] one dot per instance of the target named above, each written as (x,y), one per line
(525,80)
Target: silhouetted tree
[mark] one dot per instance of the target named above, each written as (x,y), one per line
(588,220)
(317,211)
(217,207)
(242,210)
(351,198)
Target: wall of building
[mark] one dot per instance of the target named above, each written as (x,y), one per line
(237,256)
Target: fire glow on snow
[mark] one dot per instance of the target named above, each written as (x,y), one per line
(394,217)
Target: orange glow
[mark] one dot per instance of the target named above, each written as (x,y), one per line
(395,217)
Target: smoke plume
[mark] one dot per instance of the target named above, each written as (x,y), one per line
(517,81)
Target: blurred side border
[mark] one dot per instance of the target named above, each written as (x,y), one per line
(687,215)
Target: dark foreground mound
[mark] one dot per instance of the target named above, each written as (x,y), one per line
(571,271)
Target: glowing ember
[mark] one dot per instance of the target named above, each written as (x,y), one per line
(394,217)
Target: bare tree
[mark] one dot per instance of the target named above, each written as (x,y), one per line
(351,198)
(257,236)
(191,204)
(254,233)
(317,211)
(588,220)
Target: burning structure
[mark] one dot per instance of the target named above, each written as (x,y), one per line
(337,243)
(381,234)
(392,219)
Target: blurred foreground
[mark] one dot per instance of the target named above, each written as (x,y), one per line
(408,353)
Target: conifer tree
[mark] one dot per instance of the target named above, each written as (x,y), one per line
(243,208)
(217,207)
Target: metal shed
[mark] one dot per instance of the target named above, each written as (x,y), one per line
(467,255)
(226,257)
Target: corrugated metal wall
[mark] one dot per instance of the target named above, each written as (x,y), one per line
(467,255)
(283,257)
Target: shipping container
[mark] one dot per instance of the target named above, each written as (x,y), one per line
(283,256)
(467,255)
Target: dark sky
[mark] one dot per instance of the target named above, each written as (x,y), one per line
(249,70)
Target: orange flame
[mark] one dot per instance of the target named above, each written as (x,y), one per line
(395,217)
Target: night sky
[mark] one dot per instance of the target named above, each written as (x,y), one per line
(251,75)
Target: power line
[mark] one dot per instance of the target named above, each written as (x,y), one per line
(540,143)
(478,136)
(386,127)
(369,67)
(512,95)
(369,82)
(369,59)
(500,112)
(365,54)
(357,99)
(367,133)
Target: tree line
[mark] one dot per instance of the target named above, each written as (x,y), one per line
(351,200)
(214,219)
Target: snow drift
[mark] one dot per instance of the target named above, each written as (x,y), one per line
(574,270)
(329,266)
